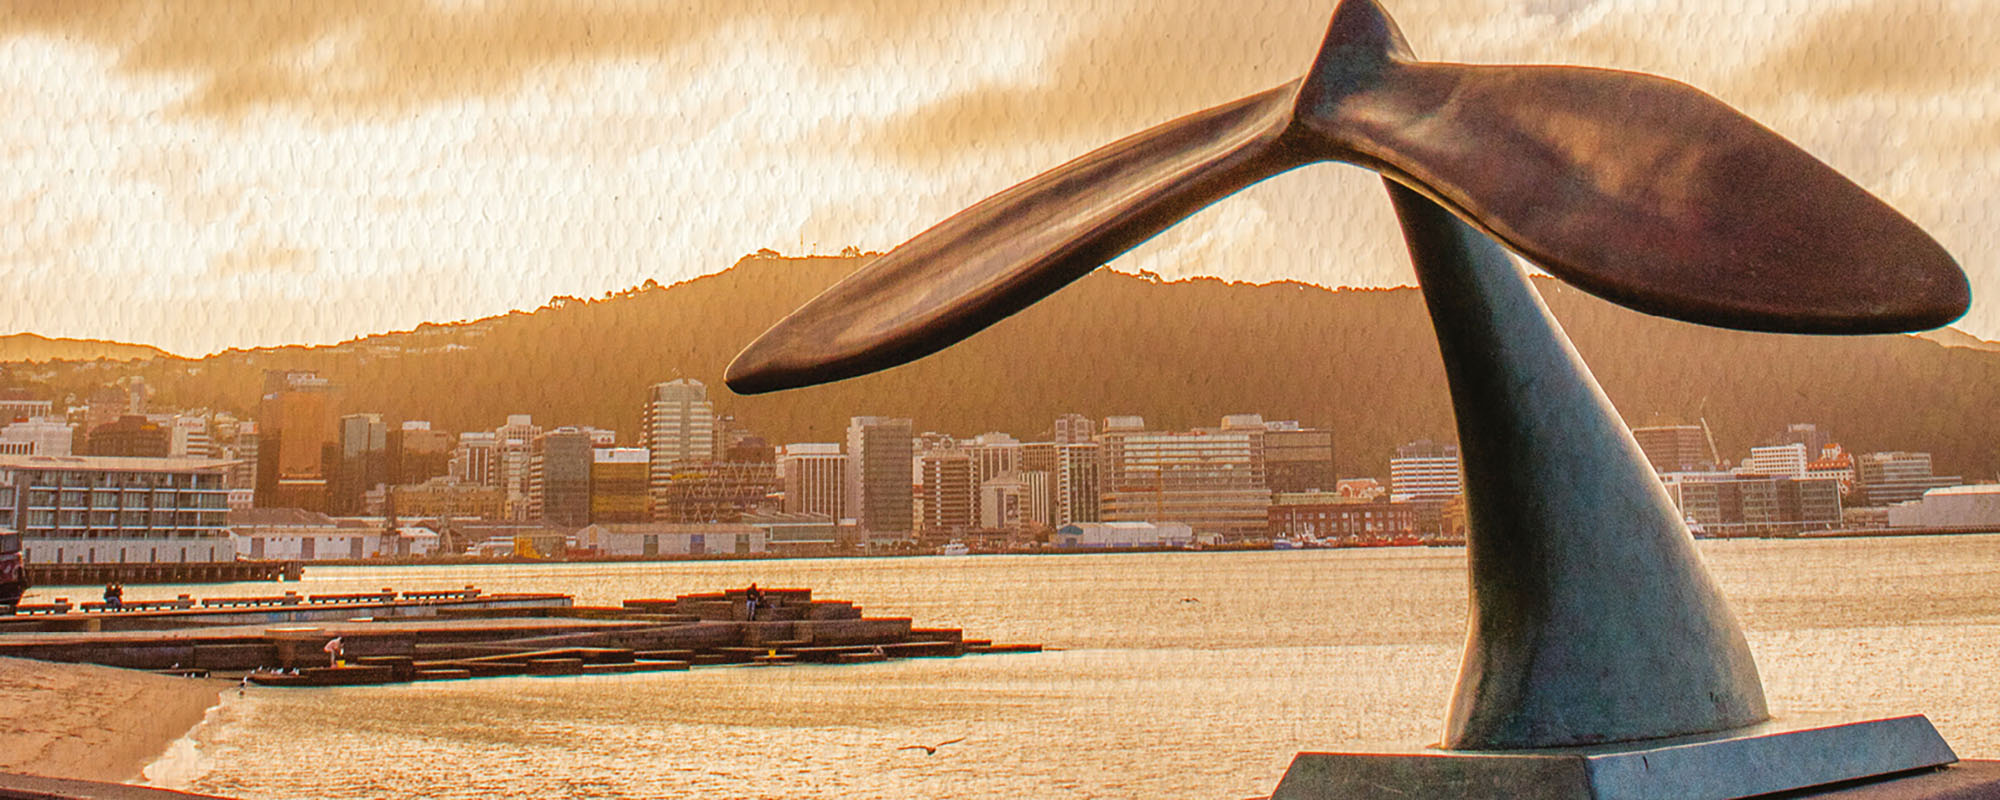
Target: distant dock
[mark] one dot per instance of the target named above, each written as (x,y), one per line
(77,574)
(387,637)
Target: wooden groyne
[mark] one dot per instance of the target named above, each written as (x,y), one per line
(386,638)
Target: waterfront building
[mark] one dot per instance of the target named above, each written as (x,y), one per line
(681,539)
(947,494)
(1787,460)
(1893,477)
(297,443)
(445,496)
(292,534)
(620,485)
(1675,448)
(797,534)
(1091,535)
(1298,459)
(101,509)
(879,453)
(1213,479)
(1746,504)
(363,464)
(677,428)
(132,435)
(38,436)
(1330,517)
(1425,470)
(815,478)
(1966,507)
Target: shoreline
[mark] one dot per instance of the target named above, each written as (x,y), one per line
(87,722)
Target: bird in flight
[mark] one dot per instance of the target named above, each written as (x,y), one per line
(931,749)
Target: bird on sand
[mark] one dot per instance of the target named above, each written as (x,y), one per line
(931,749)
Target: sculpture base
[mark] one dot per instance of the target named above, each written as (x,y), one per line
(1772,757)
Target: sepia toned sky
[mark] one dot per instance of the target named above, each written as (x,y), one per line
(207,174)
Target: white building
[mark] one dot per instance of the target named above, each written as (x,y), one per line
(1425,470)
(679,539)
(1972,506)
(189,437)
(1124,534)
(108,510)
(1781,460)
(677,428)
(290,534)
(814,475)
(38,436)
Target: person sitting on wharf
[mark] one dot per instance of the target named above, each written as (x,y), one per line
(753,597)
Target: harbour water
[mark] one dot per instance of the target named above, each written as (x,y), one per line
(1179,675)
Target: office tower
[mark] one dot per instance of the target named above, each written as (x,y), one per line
(132,435)
(189,437)
(1298,459)
(476,458)
(815,478)
(418,453)
(1212,480)
(878,476)
(40,436)
(677,429)
(1894,477)
(297,442)
(1074,429)
(515,448)
(363,464)
(1675,448)
(559,478)
(948,490)
(1425,470)
(619,489)
(1784,460)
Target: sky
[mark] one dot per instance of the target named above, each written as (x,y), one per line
(206,174)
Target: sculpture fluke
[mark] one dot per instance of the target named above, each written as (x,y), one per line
(1638,189)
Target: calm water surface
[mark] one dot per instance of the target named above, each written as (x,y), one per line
(1181,675)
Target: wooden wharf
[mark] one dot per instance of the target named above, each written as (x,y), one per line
(391,637)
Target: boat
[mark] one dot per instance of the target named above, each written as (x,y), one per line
(955,549)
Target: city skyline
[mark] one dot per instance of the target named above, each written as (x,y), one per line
(179,164)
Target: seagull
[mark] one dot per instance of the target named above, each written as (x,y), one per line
(931,749)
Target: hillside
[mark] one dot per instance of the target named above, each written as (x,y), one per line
(34,348)
(1184,353)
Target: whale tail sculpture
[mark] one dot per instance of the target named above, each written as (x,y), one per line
(1641,190)
(1593,620)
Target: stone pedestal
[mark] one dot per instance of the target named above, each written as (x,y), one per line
(1771,757)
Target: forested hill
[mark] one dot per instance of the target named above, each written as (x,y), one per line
(1184,353)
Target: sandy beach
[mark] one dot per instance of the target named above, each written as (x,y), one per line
(93,723)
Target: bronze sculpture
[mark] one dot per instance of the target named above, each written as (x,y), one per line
(1594,623)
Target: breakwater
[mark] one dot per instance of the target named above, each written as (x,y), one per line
(385,637)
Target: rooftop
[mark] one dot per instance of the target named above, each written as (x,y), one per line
(114,463)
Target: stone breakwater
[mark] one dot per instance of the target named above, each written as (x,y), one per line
(384,638)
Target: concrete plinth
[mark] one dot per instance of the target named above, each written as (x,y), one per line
(1771,757)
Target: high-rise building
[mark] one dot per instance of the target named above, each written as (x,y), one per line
(1075,429)
(1211,479)
(814,475)
(1812,437)
(476,459)
(948,491)
(1425,470)
(559,478)
(363,464)
(297,443)
(20,405)
(240,449)
(92,509)
(678,429)
(1298,459)
(718,491)
(619,489)
(879,462)
(515,450)
(1675,448)
(418,453)
(1894,477)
